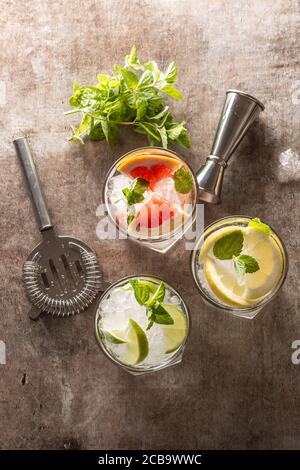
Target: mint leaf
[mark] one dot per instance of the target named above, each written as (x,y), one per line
(150,324)
(230,245)
(76,86)
(150,130)
(158,295)
(250,264)
(161,315)
(141,108)
(130,214)
(110,131)
(164,137)
(161,114)
(158,314)
(135,194)
(132,61)
(140,185)
(256,224)
(183,139)
(131,79)
(172,91)
(175,130)
(183,181)
(141,291)
(95,132)
(171,73)
(239,266)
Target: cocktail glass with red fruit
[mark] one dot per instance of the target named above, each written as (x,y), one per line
(150,194)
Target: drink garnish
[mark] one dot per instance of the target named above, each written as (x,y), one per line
(113,336)
(137,347)
(136,342)
(156,313)
(141,291)
(256,224)
(245,264)
(134,195)
(183,181)
(229,247)
(176,334)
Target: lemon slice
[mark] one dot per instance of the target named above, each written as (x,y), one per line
(251,288)
(223,286)
(137,346)
(175,334)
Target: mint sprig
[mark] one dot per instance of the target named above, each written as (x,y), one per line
(230,247)
(256,224)
(183,181)
(141,291)
(245,264)
(152,299)
(133,95)
(134,195)
(158,314)
(158,295)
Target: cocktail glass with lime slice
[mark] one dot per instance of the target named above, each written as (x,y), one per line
(150,196)
(142,324)
(239,265)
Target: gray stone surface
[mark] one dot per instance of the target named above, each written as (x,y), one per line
(237,387)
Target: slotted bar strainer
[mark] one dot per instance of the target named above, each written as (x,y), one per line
(62,275)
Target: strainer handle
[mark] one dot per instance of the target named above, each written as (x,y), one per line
(24,154)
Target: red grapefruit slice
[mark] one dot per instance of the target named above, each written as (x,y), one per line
(130,163)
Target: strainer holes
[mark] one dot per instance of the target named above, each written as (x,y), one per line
(45,280)
(67,269)
(79,268)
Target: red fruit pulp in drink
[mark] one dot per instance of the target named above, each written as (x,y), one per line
(142,172)
(154,213)
(153,174)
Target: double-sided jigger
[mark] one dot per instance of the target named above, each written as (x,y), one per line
(239,112)
(61,275)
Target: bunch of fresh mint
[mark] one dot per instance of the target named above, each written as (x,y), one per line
(151,297)
(133,96)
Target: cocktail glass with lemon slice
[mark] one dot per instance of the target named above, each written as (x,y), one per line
(239,264)
(150,195)
(142,324)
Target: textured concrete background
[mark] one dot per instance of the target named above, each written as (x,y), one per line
(237,387)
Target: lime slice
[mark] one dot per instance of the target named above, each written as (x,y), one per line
(137,346)
(251,288)
(175,334)
(115,336)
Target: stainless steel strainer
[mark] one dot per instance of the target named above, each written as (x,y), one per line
(62,275)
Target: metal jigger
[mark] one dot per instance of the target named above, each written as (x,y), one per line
(239,111)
